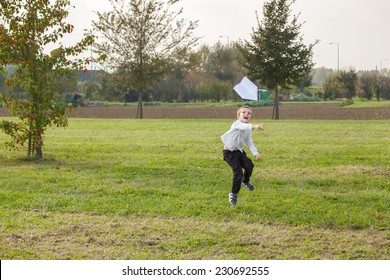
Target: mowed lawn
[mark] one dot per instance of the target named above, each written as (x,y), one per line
(158,189)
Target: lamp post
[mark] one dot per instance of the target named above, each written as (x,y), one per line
(383,59)
(228,42)
(338,54)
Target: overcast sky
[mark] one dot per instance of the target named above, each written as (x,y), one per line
(360,27)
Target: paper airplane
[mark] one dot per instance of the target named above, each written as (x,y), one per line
(246,89)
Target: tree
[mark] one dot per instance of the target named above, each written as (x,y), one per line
(332,87)
(222,63)
(365,82)
(377,84)
(385,93)
(28,29)
(214,89)
(140,37)
(320,74)
(349,81)
(277,55)
(305,81)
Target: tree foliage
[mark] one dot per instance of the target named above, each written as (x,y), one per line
(222,63)
(365,82)
(348,79)
(377,85)
(277,55)
(140,39)
(350,84)
(332,88)
(29,29)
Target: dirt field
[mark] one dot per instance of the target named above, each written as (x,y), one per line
(331,111)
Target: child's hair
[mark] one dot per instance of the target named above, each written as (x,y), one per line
(242,108)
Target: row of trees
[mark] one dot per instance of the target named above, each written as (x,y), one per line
(147,47)
(131,33)
(211,77)
(349,84)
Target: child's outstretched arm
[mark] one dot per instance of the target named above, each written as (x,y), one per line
(258,127)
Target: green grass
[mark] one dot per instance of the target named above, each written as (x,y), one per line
(370,104)
(157,189)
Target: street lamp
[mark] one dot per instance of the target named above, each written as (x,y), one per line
(383,59)
(228,42)
(338,54)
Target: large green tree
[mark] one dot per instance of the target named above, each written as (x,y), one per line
(140,39)
(30,34)
(277,55)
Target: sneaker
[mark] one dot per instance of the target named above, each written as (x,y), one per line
(233,199)
(248,185)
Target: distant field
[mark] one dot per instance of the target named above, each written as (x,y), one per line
(158,189)
(371,104)
(288,111)
(321,110)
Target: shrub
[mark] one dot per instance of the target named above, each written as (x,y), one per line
(346,102)
(258,103)
(300,97)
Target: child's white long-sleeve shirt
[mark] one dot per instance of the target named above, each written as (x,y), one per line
(239,134)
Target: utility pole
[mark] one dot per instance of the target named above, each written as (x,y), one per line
(338,54)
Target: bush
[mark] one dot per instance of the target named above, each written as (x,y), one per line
(360,99)
(346,102)
(258,103)
(300,97)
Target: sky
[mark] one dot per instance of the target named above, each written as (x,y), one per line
(351,33)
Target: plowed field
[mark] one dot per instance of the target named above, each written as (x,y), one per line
(331,111)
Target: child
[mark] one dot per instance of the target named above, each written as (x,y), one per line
(233,153)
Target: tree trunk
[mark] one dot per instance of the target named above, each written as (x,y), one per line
(29,150)
(275,111)
(140,113)
(38,152)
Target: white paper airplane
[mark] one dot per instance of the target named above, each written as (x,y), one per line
(246,89)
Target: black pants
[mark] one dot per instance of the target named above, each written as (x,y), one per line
(238,161)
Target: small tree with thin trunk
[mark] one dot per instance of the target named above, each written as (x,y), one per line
(29,29)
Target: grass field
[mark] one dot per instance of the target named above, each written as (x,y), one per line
(371,104)
(158,189)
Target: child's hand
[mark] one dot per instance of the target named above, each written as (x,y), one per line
(257,157)
(258,127)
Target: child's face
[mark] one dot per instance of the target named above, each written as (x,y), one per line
(245,115)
